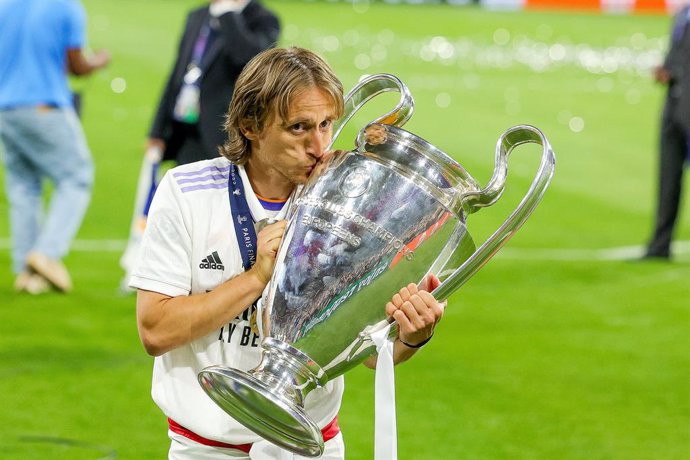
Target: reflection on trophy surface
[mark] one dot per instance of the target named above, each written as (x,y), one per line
(367,222)
(375,134)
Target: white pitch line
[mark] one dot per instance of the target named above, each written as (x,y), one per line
(621,253)
(680,248)
(84,245)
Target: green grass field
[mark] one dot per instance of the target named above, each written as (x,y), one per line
(560,348)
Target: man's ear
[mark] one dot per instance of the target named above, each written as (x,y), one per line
(249,130)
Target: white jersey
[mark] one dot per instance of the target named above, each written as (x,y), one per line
(190,247)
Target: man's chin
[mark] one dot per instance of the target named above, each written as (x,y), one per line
(300,179)
(305,176)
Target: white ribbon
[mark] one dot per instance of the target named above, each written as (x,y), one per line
(385,436)
(264,450)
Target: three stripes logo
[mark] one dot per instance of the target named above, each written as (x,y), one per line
(212,262)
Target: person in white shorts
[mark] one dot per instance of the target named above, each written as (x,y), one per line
(202,267)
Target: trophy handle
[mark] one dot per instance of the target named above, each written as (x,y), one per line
(367,89)
(473,200)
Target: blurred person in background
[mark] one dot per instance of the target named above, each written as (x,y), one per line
(218,40)
(40,40)
(674,136)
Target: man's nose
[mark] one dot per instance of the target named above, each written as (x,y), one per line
(317,143)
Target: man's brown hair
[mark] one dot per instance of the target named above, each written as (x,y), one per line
(269,82)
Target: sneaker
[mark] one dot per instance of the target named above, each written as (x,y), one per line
(21,281)
(38,285)
(31,283)
(52,270)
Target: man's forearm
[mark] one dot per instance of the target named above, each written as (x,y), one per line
(166,323)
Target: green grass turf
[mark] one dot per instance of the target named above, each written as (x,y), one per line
(537,357)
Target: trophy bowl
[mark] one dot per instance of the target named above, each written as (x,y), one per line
(367,222)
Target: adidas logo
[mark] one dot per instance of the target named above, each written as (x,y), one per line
(212,262)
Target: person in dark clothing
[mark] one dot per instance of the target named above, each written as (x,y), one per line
(674,135)
(219,39)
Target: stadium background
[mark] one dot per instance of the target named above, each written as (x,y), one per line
(560,348)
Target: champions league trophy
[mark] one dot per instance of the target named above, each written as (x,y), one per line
(366,223)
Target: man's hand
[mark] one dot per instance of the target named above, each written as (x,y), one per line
(268,241)
(82,63)
(416,311)
(155,148)
(100,58)
(661,75)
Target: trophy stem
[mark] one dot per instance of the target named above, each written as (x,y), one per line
(288,371)
(269,399)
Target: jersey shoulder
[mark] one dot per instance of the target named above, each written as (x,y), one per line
(201,177)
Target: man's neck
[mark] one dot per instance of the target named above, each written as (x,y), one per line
(267,183)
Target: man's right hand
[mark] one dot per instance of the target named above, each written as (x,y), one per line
(268,242)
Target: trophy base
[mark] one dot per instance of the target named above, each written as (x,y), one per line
(252,403)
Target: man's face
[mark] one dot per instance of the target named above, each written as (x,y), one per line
(290,148)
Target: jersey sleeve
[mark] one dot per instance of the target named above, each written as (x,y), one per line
(164,261)
(75,26)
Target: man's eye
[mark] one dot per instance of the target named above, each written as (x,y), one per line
(325,124)
(298,127)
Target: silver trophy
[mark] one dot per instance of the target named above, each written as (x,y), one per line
(367,222)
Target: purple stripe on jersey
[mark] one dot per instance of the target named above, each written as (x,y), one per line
(272,205)
(202,178)
(191,188)
(203,170)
